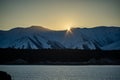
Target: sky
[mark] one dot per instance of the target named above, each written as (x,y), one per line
(59,14)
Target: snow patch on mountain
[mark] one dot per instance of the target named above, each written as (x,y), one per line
(37,37)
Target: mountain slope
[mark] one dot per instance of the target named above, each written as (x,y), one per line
(35,37)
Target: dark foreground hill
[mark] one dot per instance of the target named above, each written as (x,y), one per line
(59,57)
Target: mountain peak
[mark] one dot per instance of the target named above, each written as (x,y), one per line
(39,27)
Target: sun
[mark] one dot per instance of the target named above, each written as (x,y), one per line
(68,29)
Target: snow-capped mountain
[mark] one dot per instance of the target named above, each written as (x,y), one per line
(37,37)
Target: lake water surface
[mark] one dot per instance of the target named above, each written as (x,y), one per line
(60,72)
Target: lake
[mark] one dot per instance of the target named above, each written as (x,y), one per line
(62,72)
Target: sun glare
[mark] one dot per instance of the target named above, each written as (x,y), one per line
(68,29)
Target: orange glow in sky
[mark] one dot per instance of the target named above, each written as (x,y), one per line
(57,14)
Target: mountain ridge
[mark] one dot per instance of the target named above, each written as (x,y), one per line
(36,37)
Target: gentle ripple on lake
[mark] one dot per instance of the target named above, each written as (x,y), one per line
(61,72)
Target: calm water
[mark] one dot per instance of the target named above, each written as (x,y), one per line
(41,72)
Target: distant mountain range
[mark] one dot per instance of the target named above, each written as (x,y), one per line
(37,37)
